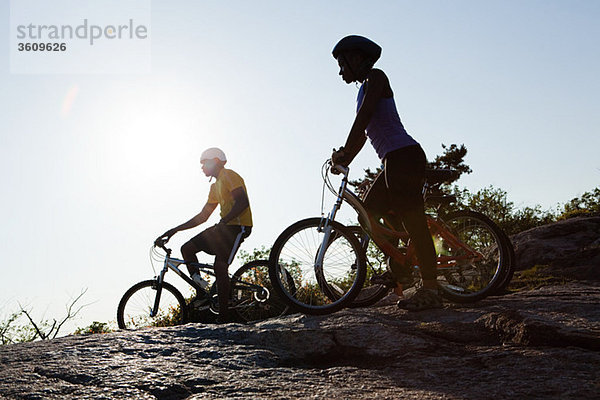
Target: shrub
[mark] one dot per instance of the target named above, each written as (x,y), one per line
(587,204)
(94,327)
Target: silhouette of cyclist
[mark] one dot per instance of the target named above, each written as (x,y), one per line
(396,193)
(223,239)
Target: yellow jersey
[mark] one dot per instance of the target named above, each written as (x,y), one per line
(220,193)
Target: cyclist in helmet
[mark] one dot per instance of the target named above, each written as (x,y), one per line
(396,192)
(223,239)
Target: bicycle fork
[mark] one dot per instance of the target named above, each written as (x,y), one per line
(159,284)
(325,224)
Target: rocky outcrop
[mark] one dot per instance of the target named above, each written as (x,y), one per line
(571,248)
(540,343)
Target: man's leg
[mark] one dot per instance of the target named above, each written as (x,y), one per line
(189,251)
(222,276)
(226,242)
(200,242)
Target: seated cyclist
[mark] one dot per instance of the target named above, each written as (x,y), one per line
(223,239)
(396,192)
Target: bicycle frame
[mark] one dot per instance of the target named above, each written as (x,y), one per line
(173,264)
(377,231)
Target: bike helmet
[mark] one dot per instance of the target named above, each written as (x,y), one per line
(354,42)
(213,153)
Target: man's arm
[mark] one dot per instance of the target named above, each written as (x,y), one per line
(200,218)
(240,203)
(375,86)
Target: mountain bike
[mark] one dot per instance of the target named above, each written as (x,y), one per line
(156,302)
(330,261)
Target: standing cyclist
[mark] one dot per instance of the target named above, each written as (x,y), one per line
(223,239)
(397,189)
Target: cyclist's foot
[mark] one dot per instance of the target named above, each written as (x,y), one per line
(223,319)
(423,299)
(385,279)
(402,273)
(201,301)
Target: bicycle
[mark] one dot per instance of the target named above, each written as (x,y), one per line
(331,266)
(156,302)
(372,293)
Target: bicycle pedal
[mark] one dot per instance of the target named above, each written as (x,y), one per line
(201,304)
(384,279)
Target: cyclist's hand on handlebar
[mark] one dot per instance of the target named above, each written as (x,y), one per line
(337,158)
(164,238)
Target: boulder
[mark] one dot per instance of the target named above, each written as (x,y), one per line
(571,248)
(541,343)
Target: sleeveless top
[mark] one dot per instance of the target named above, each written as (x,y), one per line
(385,130)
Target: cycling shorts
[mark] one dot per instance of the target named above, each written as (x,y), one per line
(222,241)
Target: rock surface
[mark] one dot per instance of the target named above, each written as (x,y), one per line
(540,343)
(571,248)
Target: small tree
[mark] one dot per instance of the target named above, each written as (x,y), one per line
(452,158)
(8,329)
(11,331)
(45,330)
(494,203)
(588,203)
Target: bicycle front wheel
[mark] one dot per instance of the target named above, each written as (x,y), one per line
(318,288)
(479,262)
(135,308)
(252,295)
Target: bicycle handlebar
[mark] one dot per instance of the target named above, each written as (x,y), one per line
(339,168)
(160,242)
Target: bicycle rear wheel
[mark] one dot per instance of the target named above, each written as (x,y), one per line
(471,278)
(317,289)
(504,281)
(252,303)
(137,304)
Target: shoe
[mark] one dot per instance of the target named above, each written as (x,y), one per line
(386,279)
(223,319)
(201,301)
(402,273)
(423,299)
(198,279)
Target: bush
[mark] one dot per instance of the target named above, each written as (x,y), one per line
(493,202)
(94,327)
(587,204)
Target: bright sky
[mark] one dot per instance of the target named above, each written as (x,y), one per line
(94,166)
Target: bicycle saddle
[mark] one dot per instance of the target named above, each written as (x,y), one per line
(434,176)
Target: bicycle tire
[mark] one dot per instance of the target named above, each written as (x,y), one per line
(472,280)
(134,308)
(503,283)
(247,304)
(296,251)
